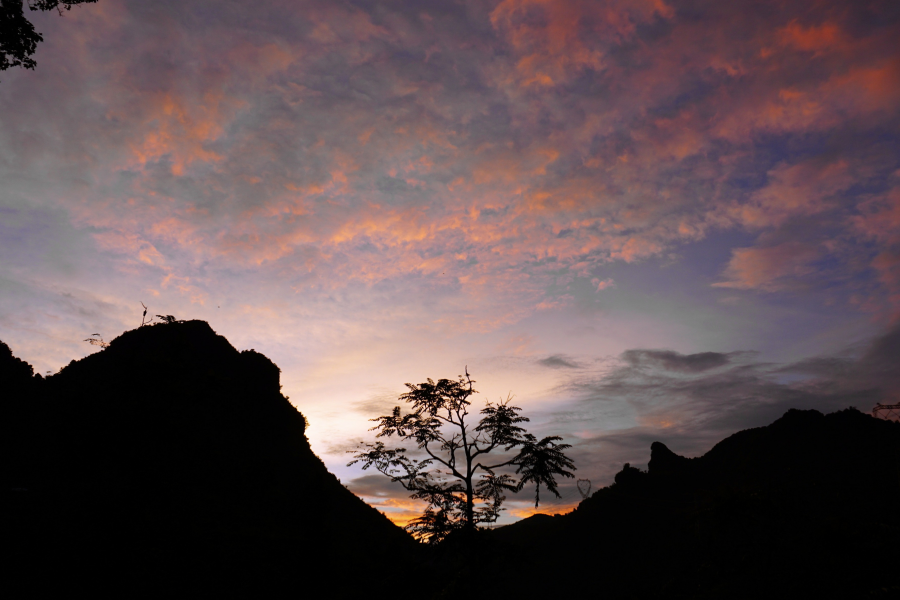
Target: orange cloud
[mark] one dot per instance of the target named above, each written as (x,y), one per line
(827,37)
(399,510)
(556,509)
(549,50)
(553,39)
(866,88)
(181,131)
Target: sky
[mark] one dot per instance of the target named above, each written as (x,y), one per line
(646,220)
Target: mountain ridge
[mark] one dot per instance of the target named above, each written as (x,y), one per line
(803,507)
(172,444)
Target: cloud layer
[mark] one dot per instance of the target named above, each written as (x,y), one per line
(484,147)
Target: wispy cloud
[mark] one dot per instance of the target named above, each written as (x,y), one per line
(558,362)
(674,361)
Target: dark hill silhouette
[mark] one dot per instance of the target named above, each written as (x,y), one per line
(171,461)
(18,386)
(805,507)
(169,456)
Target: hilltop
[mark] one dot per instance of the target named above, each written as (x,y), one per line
(171,456)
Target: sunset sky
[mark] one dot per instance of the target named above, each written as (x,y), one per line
(645,219)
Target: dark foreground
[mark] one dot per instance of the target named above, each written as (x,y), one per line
(806,507)
(171,463)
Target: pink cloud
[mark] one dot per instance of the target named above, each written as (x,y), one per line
(794,190)
(297,150)
(604,284)
(554,40)
(130,245)
(880,220)
(768,268)
(880,217)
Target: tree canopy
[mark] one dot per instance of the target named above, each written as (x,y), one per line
(18,38)
(458,449)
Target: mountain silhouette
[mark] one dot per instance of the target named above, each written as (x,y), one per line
(805,507)
(170,457)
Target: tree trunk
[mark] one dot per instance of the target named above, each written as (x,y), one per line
(470,510)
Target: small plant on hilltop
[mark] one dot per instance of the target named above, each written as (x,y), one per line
(144,319)
(163,319)
(438,426)
(97,340)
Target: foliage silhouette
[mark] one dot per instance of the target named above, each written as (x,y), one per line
(96,340)
(18,38)
(438,426)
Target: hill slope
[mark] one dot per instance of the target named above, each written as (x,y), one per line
(805,507)
(172,453)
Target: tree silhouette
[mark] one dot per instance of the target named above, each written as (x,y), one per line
(440,430)
(18,39)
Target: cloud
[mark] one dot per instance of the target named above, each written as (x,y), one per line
(675,361)
(362,145)
(795,190)
(545,509)
(557,361)
(713,392)
(604,284)
(880,220)
(390,498)
(692,401)
(381,403)
(769,269)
